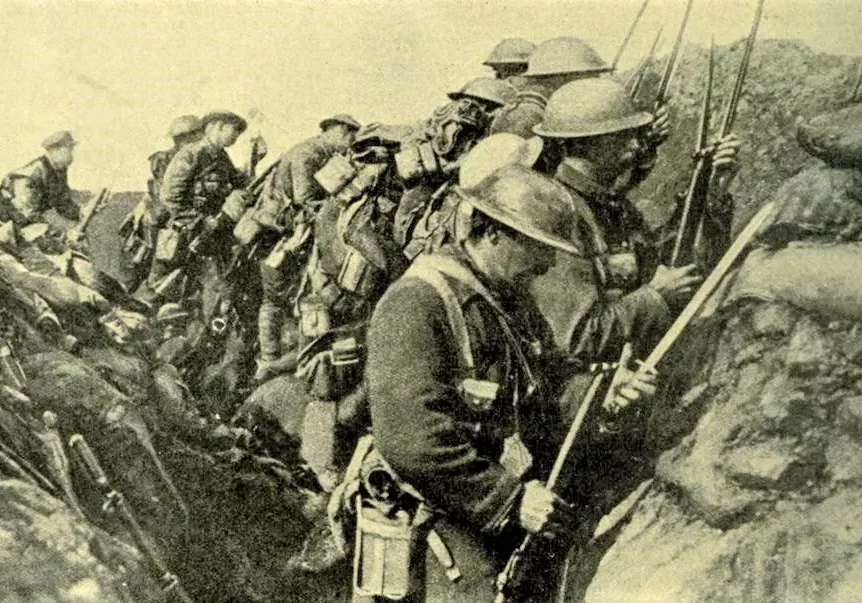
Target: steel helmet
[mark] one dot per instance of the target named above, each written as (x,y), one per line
(497,92)
(566,55)
(590,107)
(511,51)
(528,202)
(184,124)
(494,152)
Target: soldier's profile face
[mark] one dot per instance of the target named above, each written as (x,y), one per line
(521,258)
(63,156)
(227,134)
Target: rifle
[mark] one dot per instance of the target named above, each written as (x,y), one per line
(635,81)
(672,60)
(857,87)
(629,35)
(514,575)
(694,205)
(115,502)
(91,209)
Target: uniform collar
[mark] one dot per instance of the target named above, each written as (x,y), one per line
(569,174)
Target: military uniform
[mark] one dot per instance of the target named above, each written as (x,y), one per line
(524,113)
(290,199)
(28,192)
(354,259)
(196,183)
(459,450)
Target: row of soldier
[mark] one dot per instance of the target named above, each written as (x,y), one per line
(453,368)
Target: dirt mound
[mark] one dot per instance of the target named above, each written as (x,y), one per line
(787,82)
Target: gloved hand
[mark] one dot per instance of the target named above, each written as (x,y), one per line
(660,128)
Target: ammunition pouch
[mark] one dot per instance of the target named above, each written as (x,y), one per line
(335,174)
(333,373)
(415,162)
(170,244)
(314,317)
(389,558)
(247,228)
(235,205)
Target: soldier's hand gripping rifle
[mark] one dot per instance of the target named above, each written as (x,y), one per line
(116,503)
(512,583)
(694,205)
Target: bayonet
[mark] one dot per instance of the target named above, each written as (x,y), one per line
(672,59)
(694,205)
(635,81)
(629,34)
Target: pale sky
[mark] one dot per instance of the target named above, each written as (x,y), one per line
(116,73)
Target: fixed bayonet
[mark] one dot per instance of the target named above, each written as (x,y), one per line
(635,81)
(694,205)
(629,34)
(672,59)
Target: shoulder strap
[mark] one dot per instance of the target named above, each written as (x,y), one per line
(425,271)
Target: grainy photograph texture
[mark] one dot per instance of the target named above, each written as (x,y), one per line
(469,301)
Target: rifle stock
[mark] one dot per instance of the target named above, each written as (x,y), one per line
(696,195)
(514,575)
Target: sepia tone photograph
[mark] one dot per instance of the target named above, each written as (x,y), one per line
(451,301)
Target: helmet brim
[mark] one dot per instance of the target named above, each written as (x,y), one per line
(459,95)
(630,122)
(590,70)
(511,220)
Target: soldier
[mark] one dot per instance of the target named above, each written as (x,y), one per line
(608,149)
(196,183)
(42,184)
(552,64)
(509,60)
(441,223)
(433,158)
(462,382)
(141,224)
(354,259)
(287,206)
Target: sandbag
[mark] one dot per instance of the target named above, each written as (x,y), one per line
(819,202)
(818,278)
(834,137)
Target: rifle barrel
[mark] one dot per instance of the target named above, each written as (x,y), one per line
(857,88)
(730,114)
(672,59)
(629,34)
(695,196)
(635,81)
